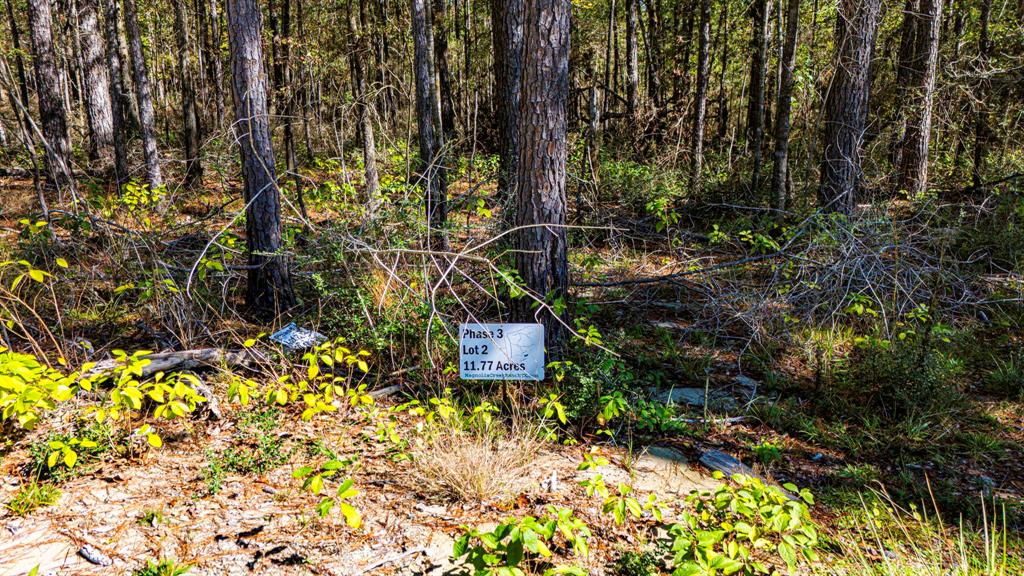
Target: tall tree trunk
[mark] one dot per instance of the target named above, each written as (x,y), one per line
(632,63)
(914,158)
(444,75)
(542,240)
(287,103)
(981,110)
(19,64)
(760,11)
(189,113)
(723,66)
(361,51)
(896,115)
(428,118)
(780,168)
(117,99)
(51,104)
(700,99)
(654,61)
(269,285)
(97,83)
(609,56)
(507,32)
(856,25)
(217,78)
(147,118)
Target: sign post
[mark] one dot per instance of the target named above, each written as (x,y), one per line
(501,351)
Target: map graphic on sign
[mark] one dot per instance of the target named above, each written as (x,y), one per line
(501,351)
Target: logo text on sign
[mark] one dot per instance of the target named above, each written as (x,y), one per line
(501,351)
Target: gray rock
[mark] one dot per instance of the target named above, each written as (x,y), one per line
(724,463)
(694,397)
(95,556)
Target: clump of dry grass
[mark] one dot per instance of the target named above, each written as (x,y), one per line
(476,463)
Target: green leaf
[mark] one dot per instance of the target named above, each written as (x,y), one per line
(352,516)
(788,554)
(316,484)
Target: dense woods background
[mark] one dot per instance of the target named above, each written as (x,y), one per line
(810,211)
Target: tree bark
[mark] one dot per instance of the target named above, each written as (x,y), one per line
(444,75)
(51,103)
(19,64)
(97,83)
(428,118)
(143,94)
(783,121)
(700,99)
(723,104)
(189,113)
(217,70)
(360,50)
(856,25)
(542,239)
(269,285)
(117,111)
(914,158)
(507,32)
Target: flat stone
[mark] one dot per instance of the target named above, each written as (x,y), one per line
(724,463)
(694,397)
(666,470)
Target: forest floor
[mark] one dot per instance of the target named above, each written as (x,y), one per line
(221,495)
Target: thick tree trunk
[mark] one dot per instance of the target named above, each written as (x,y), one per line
(147,117)
(110,16)
(97,82)
(428,118)
(632,63)
(189,113)
(507,32)
(760,11)
(700,98)
(542,240)
(856,25)
(52,110)
(444,75)
(360,51)
(914,158)
(783,121)
(269,287)
(896,115)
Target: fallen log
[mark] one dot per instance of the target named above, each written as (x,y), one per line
(178,360)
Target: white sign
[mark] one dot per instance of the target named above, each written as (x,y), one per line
(501,351)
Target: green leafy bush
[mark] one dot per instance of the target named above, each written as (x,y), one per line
(523,543)
(28,388)
(743,527)
(902,379)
